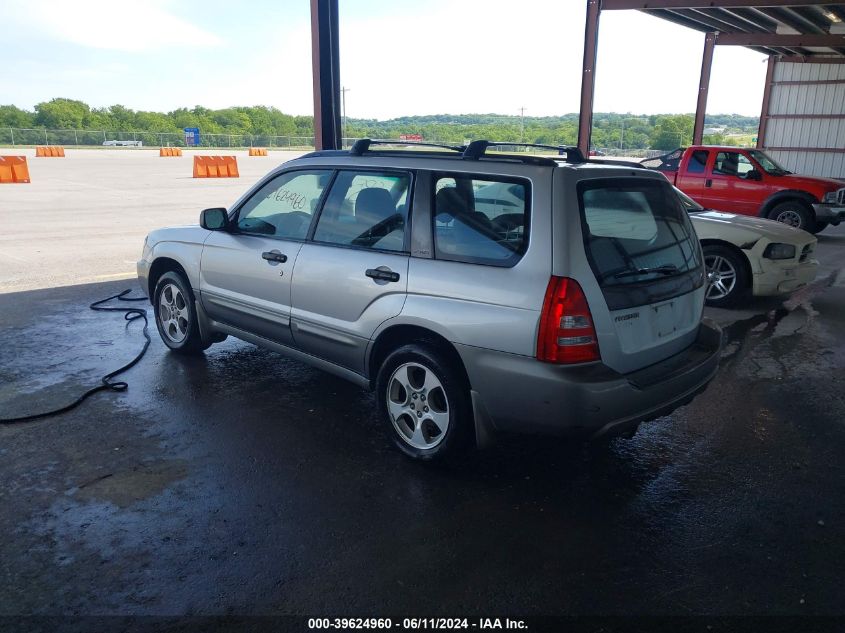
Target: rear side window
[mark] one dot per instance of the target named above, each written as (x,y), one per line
(480,220)
(636,231)
(697,161)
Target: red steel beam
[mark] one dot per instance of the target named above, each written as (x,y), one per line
(588,75)
(615,5)
(767,97)
(775,39)
(703,88)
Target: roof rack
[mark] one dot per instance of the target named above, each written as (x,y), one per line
(477,149)
(361,146)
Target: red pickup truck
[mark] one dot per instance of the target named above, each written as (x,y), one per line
(747,181)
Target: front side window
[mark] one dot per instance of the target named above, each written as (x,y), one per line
(284,206)
(366,209)
(732,164)
(769,165)
(480,220)
(636,231)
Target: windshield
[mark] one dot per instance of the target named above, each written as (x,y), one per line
(770,166)
(688,203)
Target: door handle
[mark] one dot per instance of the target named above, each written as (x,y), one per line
(274,256)
(382,275)
(708,183)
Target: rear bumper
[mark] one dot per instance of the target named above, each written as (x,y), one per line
(830,213)
(522,394)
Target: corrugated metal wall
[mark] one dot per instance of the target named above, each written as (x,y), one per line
(803,115)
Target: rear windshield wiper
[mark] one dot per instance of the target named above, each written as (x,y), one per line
(668,269)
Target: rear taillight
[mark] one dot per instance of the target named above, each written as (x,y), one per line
(566,331)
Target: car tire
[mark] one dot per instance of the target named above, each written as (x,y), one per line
(794,213)
(176,315)
(727,277)
(424,399)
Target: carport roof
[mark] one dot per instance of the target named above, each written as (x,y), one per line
(772,27)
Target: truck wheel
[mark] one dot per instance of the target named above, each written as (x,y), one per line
(820,226)
(727,279)
(794,213)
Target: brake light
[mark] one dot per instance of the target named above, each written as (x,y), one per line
(567,334)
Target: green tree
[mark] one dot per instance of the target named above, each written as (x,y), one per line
(61,114)
(11,116)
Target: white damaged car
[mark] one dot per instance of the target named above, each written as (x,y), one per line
(745,253)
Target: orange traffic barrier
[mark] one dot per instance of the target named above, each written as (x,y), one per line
(257,151)
(170,151)
(14,169)
(49,150)
(215,167)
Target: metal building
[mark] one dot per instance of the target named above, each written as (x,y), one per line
(802,119)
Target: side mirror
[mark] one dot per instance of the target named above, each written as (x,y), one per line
(754,175)
(214,219)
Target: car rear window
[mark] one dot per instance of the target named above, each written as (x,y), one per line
(636,231)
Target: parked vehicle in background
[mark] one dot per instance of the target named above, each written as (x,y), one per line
(114,143)
(748,182)
(743,254)
(475,292)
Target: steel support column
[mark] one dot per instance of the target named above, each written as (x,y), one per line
(325,64)
(588,75)
(703,87)
(767,97)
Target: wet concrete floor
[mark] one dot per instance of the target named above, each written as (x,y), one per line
(244,483)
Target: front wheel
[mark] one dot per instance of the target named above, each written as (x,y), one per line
(176,316)
(425,401)
(796,214)
(727,279)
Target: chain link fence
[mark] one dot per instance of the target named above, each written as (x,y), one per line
(92,138)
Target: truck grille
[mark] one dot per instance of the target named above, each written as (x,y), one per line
(840,196)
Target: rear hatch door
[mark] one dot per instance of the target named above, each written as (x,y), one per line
(647,266)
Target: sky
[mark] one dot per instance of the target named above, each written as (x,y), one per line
(398,57)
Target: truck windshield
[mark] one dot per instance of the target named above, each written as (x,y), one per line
(636,231)
(769,165)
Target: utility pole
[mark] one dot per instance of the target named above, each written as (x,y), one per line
(622,136)
(521,123)
(343,92)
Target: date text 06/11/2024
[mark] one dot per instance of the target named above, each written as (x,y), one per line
(414,624)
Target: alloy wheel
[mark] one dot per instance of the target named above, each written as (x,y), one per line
(173,313)
(721,276)
(418,405)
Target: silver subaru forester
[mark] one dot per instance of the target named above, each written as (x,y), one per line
(476,291)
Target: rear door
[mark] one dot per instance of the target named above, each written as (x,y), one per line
(647,263)
(353,274)
(692,176)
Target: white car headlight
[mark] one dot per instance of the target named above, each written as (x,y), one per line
(779,251)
